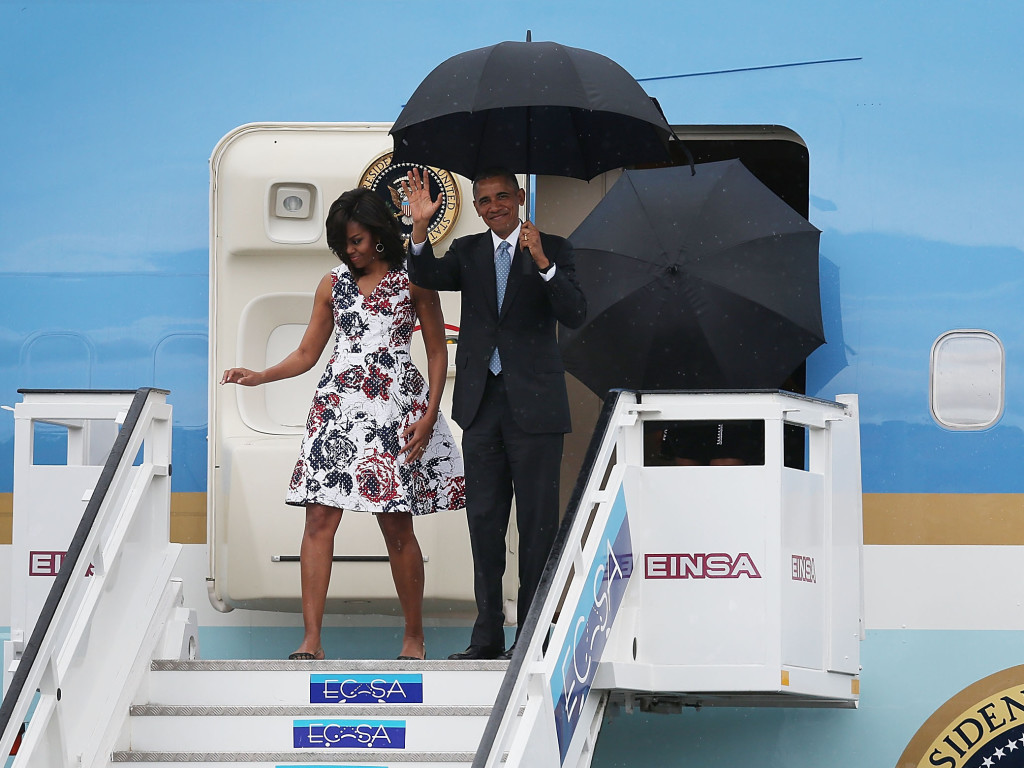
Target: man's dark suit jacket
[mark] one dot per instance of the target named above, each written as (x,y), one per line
(524,332)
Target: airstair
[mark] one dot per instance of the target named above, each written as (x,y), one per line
(732,585)
(366,713)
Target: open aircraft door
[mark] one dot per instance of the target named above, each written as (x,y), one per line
(271,186)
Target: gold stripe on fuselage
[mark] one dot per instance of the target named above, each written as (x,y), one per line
(188,518)
(889,518)
(944,518)
(6,517)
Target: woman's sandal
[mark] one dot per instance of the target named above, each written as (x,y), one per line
(415,658)
(306,656)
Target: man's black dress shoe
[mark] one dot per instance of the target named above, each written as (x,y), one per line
(475,652)
(507,655)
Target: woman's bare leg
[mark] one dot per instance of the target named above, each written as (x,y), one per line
(407,571)
(316,557)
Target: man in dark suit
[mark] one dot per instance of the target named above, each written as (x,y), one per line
(509,397)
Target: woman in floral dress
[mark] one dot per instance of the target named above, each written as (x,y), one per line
(375,440)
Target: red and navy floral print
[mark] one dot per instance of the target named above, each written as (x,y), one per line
(368,394)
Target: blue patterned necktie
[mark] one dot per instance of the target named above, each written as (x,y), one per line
(502,263)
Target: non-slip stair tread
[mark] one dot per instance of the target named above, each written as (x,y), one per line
(243,712)
(319,756)
(306,686)
(330,665)
(310,710)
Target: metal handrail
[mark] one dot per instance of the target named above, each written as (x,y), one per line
(17,700)
(505,700)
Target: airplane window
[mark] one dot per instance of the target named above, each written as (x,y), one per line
(176,359)
(286,399)
(967,379)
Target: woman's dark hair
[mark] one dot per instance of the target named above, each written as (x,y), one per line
(365,207)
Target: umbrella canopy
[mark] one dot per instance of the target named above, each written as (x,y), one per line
(694,282)
(535,108)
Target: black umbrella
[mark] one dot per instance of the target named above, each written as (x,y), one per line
(534,108)
(698,281)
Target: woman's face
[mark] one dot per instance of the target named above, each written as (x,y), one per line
(360,245)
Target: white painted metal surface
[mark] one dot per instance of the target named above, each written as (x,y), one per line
(239,683)
(49,499)
(747,579)
(339,712)
(740,584)
(233,683)
(447,730)
(119,608)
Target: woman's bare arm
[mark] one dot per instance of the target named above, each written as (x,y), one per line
(304,357)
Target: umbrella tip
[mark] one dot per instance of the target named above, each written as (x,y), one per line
(529,36)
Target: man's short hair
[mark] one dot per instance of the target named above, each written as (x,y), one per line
(495,172)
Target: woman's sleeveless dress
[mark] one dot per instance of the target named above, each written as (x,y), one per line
(369,393)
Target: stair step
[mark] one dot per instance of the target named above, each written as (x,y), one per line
(380,731)
(333,758)
(329,665)
(423,714)
(274,682)
(310,710)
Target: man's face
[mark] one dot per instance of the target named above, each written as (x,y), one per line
(497,202)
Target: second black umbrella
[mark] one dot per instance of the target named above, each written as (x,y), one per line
(702,281)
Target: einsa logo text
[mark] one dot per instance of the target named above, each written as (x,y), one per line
(700,565)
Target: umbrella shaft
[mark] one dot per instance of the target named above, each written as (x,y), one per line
(531,198)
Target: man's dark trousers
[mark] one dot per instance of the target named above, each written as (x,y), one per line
(500,456)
